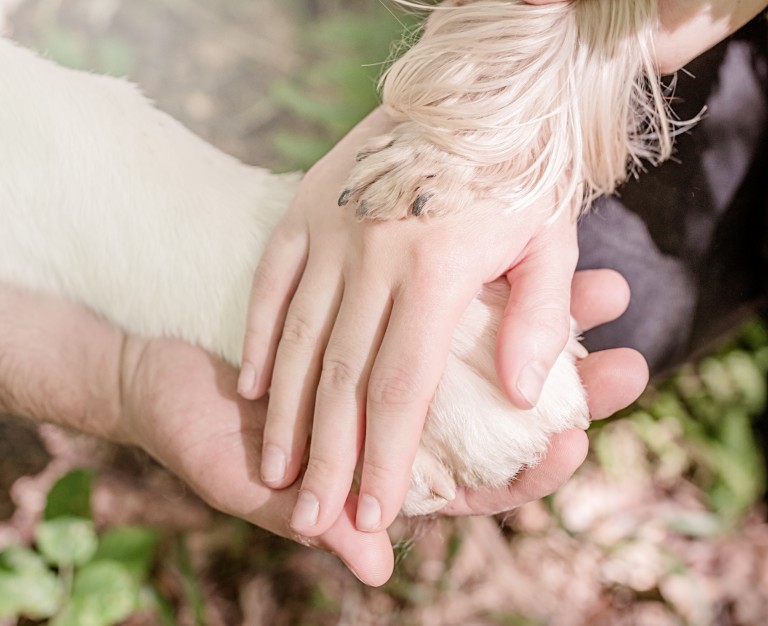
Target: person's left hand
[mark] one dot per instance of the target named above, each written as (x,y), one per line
(180,404)
(63,364)
(60,363)
(613,379)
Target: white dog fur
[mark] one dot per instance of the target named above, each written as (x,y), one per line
(109,202)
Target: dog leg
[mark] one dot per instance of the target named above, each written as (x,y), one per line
(106,201)
(501,103)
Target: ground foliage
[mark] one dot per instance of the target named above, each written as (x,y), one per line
(664,524)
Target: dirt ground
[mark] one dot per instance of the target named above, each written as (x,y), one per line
(629,540)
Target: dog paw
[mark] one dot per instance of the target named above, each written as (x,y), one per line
(403,175)
(473,436)
(432,485)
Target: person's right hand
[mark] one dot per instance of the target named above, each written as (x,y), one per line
(357,319)
(612,378)
(340,308)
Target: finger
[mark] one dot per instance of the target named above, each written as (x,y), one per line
(298,363)
(536,322)
(368,556)
(598,297)
(567,451)
(274,283)
(338,428)
(402,383)
(613,379)
(217,453)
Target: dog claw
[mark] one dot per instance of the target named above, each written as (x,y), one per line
(417,208)
(344,197)
(366,152)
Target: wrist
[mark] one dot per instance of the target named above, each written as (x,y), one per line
(687,28)
(344,153)
(59,363)
(127,426)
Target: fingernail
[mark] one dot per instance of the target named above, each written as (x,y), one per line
(306,511)
(272,464)
(368,514)
(247,380)
(530,382)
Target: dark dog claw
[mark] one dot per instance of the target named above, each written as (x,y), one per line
(344,197)
(417,208)
(364,154)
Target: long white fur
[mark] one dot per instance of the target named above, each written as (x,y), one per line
(109,202)
(501,102)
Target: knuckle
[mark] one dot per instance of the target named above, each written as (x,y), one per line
(382,473)
(338,374)
(552,323)
(320,468)
(255,341)
(266,277)
(279,425)
(393,386)
(298,332)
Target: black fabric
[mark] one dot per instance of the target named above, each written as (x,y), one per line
(691,236)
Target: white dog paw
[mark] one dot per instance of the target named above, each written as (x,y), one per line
(404,175)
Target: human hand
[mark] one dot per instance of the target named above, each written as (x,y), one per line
(63,364)
(356,301)
(180,405)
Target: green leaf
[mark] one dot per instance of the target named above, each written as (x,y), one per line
(131,546)
(22,560)
(27,585)
(103,593)
(31,594)
(66,541)
(70,496)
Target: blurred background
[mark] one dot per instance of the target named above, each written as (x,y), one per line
(664,525)
(270,82)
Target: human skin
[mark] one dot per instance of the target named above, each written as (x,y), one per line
(329,370)
(62,364)
(689,27)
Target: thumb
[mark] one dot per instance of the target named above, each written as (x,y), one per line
(536,323)
(368,556)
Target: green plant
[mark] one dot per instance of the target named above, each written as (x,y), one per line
(99,52)
(699,425)
(73,576)
(345,55)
